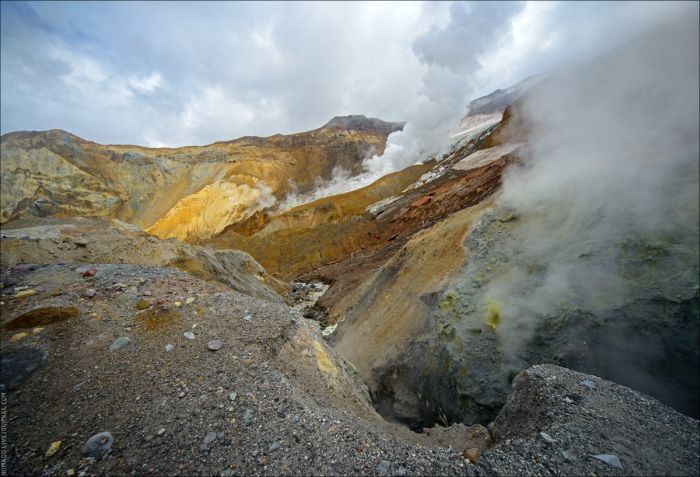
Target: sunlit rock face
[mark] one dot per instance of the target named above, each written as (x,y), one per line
(190,193)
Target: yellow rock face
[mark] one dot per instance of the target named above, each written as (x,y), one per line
(319,232)
(211,210)
(386,311)
(190,193)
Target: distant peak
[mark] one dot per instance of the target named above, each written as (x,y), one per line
(361,122)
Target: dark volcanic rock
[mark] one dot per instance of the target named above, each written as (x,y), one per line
(648,437)
(18,365)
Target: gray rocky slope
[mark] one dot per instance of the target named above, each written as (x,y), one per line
(103,349)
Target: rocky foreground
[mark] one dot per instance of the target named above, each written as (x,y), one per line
(190,377)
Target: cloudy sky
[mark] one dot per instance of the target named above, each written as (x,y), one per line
(193,73)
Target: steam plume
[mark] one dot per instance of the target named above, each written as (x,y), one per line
(612,181)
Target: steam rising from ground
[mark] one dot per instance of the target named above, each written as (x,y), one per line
(613,160)
(341,181)
(452,58)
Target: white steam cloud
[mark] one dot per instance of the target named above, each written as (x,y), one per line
(451,55)
(613,160)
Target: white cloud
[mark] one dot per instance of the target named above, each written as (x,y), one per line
(236,69)
(146,84)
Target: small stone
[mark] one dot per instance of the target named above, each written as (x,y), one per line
(80,242)
(329,331)
(161,431)
(472,454)
(189,300)
(189,335)
(89,273)
(90,292)
(274,446)
(566,455)
(119,343)
(148,438)
(146,293)
(120,286)
(248,416)
(214,345)
(25,293)
(402,471)
(547,438)
(18,336)
(98,445)
(70,472)
(233,396)
(53,448)
(208,439)
(383,467)
(568,400)
(142,305)
(610,459)
(588,383)
(178,304)
(37,329)
(181,395)
(169,347)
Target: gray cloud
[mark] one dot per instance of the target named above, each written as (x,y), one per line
(192,73)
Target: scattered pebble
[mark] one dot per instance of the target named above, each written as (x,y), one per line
(472,454)
(169,347)
(80,242)
(248,416)
(25,293)
(189,300)
(53,448)
(161,431)
(189,335)
(233,396)
(610,459)
(383,467)
(119,343)
(247,317)
(146,293)
(588,383)
(89,273)
(214,345)
(178,304)
(208,439)
(98,445)
(547,438)
(566,455)
(18,336)
(70,472)
(37,329)
(90,292)
(274,446)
